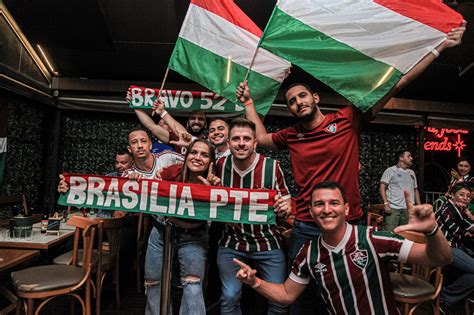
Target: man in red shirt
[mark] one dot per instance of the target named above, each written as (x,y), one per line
(325,147)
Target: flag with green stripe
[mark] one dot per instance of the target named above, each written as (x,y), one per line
(215,48)
(359,48)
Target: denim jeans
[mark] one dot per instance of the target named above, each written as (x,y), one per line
(310,301)
(190,247)
(464,285)
(270,266)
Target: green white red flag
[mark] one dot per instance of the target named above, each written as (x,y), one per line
(360,48)
(215,48)
(181,200)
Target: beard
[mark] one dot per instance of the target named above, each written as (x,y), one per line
(311,115)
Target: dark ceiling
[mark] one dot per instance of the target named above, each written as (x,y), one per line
(132,40)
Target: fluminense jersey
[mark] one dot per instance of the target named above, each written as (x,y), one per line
(353,277)
(264,173)
(161,160)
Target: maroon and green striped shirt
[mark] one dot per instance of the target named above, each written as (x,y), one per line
(353,277)
(264,173)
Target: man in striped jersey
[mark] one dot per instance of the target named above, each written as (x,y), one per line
(349,262)
(258,243)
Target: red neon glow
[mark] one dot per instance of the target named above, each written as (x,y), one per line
(459,145)
(446,144)
(439,133)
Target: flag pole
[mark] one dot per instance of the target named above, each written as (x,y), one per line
(162,85)
(251,63)
(260,43)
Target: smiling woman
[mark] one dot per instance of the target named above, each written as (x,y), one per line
(190,235)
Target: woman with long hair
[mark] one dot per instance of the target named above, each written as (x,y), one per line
(461,173)
(190,236)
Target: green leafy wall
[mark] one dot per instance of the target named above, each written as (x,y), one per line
(24,162)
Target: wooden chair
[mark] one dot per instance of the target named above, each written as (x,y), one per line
(107,261)
(50,281)
(7,201)
(143,229)
(375,215)
(422,285)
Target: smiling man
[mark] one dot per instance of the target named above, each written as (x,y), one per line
(259,243)
(196,124)
(350,263)
(218,135)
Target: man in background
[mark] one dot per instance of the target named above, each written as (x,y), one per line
(395,180)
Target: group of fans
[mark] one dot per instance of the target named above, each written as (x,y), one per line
(337,266)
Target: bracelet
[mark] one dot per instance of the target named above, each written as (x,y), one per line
(435,52)
(257,283)
(163,114)
(248,102)
(385,203)
(434,231)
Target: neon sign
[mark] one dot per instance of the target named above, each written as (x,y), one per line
(446,140)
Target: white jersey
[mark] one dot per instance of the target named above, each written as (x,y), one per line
(160,161)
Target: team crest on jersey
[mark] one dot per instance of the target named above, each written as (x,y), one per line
(300,135)
(332,128)
(320,268)
(359,258)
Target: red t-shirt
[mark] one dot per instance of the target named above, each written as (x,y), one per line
(328,152)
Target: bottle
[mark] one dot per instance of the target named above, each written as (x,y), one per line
(44,222)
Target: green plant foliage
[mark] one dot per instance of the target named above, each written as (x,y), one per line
(23,172)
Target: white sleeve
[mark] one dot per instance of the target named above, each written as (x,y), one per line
(387,174)
(405,250)
(415,184)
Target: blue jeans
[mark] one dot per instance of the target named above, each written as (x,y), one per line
(464,285)
(192,261)
(310,301)
(271,267)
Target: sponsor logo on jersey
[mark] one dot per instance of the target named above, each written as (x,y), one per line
(359,258)
(332,128)
(320,268)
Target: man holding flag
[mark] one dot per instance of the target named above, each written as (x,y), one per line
(324,147)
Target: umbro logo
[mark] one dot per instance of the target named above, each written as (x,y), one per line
(320,268)
(332,128)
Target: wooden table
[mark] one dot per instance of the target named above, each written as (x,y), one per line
(40,240)
(10,258)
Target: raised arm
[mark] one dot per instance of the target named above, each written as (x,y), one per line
(285,293)
(175,126)
(264,139)
(161,133)
(421,218)
(453,39)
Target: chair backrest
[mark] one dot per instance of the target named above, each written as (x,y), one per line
(428,273)
(87,229)
(112,227)
(377,208)
(373,219)
(6,201)
(143,227)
